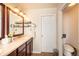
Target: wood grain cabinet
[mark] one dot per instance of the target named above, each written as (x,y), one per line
(24,50)
(29,47)
(14,53)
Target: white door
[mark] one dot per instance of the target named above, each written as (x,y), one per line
(48,33)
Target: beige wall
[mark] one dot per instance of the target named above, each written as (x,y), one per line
(35,16)
(70,27)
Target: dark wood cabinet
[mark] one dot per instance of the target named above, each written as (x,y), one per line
(14,53)
(24,50)
(22,53)
(29,47)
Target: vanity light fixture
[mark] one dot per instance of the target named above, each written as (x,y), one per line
(26,18)
(71,4)
(16,10)
(24,15)
(21,13)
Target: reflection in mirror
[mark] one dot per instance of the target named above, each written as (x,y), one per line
(15,23)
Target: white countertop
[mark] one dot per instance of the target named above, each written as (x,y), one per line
(18,41)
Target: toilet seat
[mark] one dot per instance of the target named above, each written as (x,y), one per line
(69,48)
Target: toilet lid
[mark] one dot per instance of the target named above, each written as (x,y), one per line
(68,48)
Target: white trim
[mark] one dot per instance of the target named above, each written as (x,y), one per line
(60,29)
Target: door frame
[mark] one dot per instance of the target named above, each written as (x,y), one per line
(56,28)
(60,29)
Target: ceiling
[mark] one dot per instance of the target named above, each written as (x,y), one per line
(24,6)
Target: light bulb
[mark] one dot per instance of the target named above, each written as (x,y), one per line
(72,4)
(16,10)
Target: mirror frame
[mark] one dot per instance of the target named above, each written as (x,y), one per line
(8,22)
(2,20)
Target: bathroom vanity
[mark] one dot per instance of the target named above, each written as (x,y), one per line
(24,50)
(21,46)
(13,23)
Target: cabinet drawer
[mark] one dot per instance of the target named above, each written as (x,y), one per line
(22,47)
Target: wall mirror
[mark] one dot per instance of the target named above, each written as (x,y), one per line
(2,20)
(16,23)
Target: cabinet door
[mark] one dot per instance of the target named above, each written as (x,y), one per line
(22,53)
(28,50)
(14,53)
(22,50)
(29,47)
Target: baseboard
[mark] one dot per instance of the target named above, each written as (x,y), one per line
(36,51)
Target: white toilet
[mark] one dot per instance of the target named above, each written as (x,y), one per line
(68,50)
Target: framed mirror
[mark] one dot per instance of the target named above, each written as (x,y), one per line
(2,20)
(16,23)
